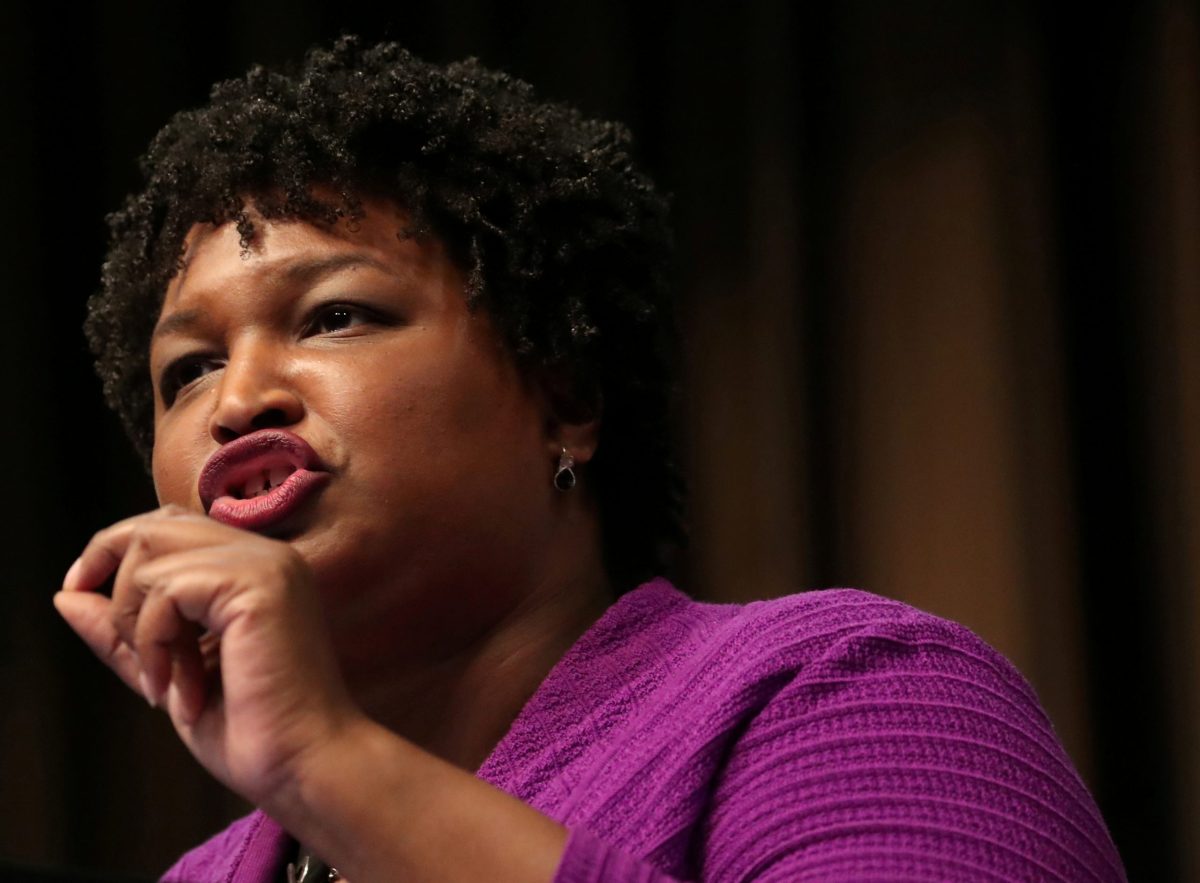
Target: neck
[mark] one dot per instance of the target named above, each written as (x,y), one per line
(459,707)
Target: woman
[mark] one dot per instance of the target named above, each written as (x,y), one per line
(391,339)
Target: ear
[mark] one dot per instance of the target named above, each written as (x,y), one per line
(573,416)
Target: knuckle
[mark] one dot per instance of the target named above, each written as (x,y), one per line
(124,621)
(138,545)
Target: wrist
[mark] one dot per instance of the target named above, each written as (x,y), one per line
(377,807)
(318,776)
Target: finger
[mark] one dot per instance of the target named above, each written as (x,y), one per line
(87,615)
(103,553)
(190,684)
(213,585)
(169,644)
(193,580)
(210,651)
(163,530)
(179,653)
(132,582)
(264,591)
(159,631)
(157,536)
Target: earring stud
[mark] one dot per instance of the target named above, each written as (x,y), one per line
(564,476)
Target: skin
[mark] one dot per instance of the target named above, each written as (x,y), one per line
(346,672)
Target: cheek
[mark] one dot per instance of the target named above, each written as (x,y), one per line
(458,414)
(175,467)
(412,395)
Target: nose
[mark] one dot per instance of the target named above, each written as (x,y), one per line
(253,393)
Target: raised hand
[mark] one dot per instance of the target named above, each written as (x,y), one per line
(223,628)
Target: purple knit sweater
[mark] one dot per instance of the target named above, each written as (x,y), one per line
(828,736)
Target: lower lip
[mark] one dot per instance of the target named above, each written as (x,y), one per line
(267,510)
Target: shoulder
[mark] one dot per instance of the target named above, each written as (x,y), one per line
(883,732)
(845,635)
(818,618)
(734,662)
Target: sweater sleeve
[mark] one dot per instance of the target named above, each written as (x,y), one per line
(588,859)
(905,750)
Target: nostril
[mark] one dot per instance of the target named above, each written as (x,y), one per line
(242,410)
(270,418)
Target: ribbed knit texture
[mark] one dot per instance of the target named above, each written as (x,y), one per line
(828,736)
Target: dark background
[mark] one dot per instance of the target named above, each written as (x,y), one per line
(939,276)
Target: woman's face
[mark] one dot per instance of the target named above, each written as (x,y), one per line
(438,499)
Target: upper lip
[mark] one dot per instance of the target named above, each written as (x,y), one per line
(236,461)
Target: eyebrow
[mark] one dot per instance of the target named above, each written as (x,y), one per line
(298,272)
(178,321)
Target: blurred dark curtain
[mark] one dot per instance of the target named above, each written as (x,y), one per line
(939,275)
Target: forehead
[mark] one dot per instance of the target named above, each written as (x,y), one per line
(222,281)
(284,250)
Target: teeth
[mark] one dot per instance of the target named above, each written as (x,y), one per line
(265,481)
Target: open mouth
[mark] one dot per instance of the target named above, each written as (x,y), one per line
(259,479)
(260,482)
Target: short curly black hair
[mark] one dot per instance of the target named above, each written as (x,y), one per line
(561,239)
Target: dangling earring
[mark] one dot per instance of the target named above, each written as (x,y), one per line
(564,478)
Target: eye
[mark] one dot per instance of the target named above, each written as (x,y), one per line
(182,373)
(332,318)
